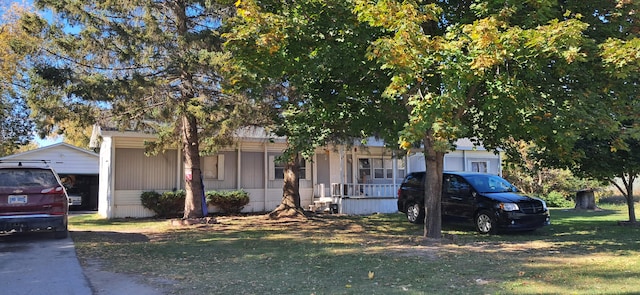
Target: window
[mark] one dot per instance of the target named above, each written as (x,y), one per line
(303,169)
(455,185)
(364,170)
(277,169)
(379,168)
(479,167)
(213,168)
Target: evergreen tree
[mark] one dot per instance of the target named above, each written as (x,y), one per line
(149,66)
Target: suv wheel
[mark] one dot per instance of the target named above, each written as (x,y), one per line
(415,214)
(60,234)
(485,223)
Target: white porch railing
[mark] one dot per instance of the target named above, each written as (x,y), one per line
(357,190)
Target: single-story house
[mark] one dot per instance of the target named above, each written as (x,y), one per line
(351,180)
(78,169)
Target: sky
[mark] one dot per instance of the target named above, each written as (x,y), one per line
(47,141)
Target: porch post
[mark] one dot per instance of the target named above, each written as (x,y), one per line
(238,165)
(464,161)
(266,172)
(342,171)
(394,164)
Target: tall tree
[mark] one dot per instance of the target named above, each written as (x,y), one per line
(16,128)
(308,59)
(479,69)
(605,138)
(145,65)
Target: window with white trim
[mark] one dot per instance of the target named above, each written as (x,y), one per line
(213,167)
(479,166)
(379,169)
(276,169)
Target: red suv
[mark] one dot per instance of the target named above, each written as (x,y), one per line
(32,198)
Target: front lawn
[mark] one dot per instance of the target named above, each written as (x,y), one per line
(582,252)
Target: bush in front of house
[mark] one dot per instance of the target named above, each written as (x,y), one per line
(228,201)
(166,205)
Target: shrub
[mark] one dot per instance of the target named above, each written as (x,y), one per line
(165,205)
(228,201)
(557,199)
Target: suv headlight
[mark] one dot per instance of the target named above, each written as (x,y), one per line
(509,207)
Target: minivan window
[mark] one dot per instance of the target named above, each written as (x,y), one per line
(455,185)
(414,180)
(490,184)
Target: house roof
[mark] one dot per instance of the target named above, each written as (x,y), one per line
(465,144)
(261,134)
(50,147)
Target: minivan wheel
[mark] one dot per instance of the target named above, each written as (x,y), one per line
(415,214)
(485,223)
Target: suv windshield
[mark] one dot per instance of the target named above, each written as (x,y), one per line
(490,184)
(27,177)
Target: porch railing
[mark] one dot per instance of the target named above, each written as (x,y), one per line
(350,190)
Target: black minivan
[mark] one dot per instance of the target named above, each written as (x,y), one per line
(491,202)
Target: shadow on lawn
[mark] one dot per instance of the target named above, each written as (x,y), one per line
(109,237)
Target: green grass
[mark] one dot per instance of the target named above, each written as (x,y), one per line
(582,252)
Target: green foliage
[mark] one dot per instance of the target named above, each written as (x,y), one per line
(557,199)
(477,69)
(166,205)
(556,186)
(228,201)
(309,59)
(16,127)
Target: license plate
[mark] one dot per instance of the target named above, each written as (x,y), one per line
(17,199)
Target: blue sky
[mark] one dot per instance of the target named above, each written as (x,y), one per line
(47,141)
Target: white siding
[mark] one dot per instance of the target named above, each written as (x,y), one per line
(229,169)
(128,204)
(460,161)
(365,206)
(135,171)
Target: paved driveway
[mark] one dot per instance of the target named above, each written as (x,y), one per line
(38,264)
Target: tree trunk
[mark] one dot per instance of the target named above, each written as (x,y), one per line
(630,201)
(193,205)
(434,162)
(585,199)
(290,205)
(627,192)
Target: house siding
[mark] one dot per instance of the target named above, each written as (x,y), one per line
(365,206)
(253,171)
(460,161)
(230,179)
(143,172)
